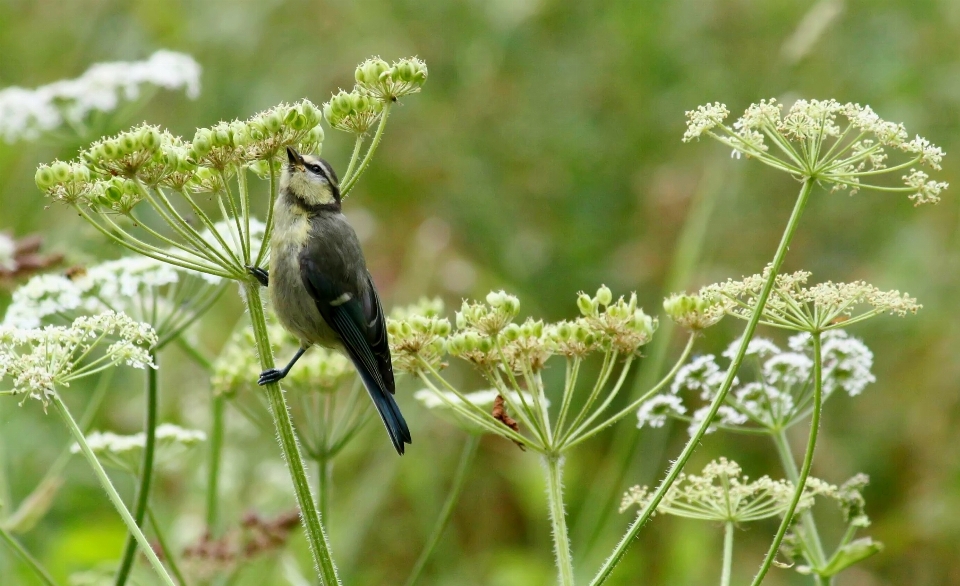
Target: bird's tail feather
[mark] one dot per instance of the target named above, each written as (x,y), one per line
(388,409)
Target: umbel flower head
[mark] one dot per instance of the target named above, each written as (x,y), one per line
(450,406)
(417,336)
(793,305)
(26,114)
(722,493)
(166,297)
(845,146)
(237,368)
(37,361)
(779,387)
(125,452)
(693,311)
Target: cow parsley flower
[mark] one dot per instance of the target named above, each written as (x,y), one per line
(37,361)
(721,493)
(125,452)
(702,374)
(26,114)
(655,411)
(794,305)
(846,146)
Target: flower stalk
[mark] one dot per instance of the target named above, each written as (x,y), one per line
(553,468)
(694,441)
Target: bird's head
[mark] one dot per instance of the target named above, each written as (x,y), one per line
(310,179)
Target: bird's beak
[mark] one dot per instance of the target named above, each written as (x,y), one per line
(294,157)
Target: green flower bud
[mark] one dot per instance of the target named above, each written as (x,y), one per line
(485,345)
(316,134)
(585,304)
(221,137)
(511,333)
(604,295)
(150,138)
(495,298)
(110,149)
(564,331)
(310,112)
(80,172)
(370,70)
(202,142)
(273,122)
(442,328)
(290,116)
(238,134)
(256,129)
(128,143)
(44,177)
(61,171)
(113,192)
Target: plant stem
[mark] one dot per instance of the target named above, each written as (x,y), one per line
(217,407)
(324,478)
(810,535)
(466,458)
(805,469)
(350,181)
(146,471)
(694,441)
(24,555)
(553,467)
(167,552)
(727,554)
(313,526)
(110,490)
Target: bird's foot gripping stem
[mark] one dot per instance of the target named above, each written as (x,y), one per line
(261,275)
(273,375)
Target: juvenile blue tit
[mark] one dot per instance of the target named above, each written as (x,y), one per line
(320,287)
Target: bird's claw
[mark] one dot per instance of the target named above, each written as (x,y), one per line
(260,274)
(270,376)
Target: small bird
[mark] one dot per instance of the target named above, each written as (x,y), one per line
(320,287)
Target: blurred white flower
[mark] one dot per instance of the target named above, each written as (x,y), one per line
(125,452)
(655,411)
(726,415)
(26,113)
(8,251)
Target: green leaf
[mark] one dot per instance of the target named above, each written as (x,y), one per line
(852,553)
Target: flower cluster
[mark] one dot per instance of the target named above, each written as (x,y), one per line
(378,83)
(237,368)
(26,114)
(417,336)
(125,452)
(722,493)
(780,392)
(844,145)
(693,311)
(38,360)
(793,305)
(167,298)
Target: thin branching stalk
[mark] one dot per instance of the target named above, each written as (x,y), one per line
(146,471)
(217,408)
(349,182)
(168,553)
(108,487)
(801,480)
(446,512)
(694,441)
(21,552)
(316,535)
(727,567)
(553,469)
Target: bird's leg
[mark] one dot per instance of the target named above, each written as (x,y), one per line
(261,275)
(274,375)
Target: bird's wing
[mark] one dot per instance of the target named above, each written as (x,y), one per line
(357,318)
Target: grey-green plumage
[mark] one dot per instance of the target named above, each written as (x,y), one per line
(320,287)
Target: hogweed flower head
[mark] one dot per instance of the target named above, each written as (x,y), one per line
(692,311)
(387,83)
(721,493)
(26,114)
(417,336)
(842,145)
(125,452)
(352,111)
(37,361)
(794,305)
(777,393)
(167,298)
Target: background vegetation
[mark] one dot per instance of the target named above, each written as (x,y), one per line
(543,157)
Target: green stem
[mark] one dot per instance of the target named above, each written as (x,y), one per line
(217,407)
(167,552)
(809,533)
(694,441)
(349,182)
(313,526)
(805,469)
(466,458)
(324,480)
(727,554)
(553,467)
(110,490)
(25,557)
(146,472)
(353,157)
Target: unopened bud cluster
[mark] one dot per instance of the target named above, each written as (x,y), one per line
(693,311)
(416,340)
(377,84)
(620,326)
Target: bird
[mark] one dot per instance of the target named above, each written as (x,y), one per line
(320,288)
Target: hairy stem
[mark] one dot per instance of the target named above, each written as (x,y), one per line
(801,480)
(25,557)
(466,458)
(217,408)
(553,468)
(146,471)
(694,441)
(110,490)
(727,554)
(313,526)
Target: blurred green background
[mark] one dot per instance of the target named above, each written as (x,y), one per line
(542,157)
